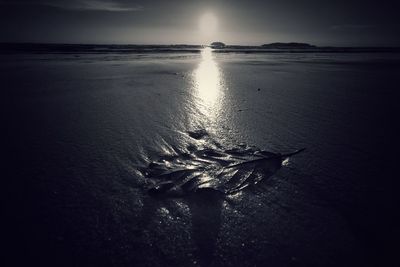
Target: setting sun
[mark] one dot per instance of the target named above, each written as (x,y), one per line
(208,24)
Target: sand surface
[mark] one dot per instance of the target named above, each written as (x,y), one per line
(82,128)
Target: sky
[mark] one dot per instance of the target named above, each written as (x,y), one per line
(250,22)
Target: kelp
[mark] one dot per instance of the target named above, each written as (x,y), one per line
(226,171)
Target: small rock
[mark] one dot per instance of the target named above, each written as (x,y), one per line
(198,134)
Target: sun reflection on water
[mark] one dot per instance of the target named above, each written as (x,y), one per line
(208,83)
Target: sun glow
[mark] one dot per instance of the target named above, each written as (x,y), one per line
(208,24)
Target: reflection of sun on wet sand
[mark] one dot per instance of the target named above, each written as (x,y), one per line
(208,84)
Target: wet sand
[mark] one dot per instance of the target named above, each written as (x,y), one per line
(83,128)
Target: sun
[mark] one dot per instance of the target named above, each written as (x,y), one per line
(208,24)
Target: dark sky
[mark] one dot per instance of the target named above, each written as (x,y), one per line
(253,22)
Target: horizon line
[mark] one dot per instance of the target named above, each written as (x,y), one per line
(183,44)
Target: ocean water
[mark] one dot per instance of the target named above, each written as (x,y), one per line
(92,134)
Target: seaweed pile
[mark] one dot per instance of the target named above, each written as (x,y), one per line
(225,171)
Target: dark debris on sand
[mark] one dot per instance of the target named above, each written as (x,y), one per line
(226,171)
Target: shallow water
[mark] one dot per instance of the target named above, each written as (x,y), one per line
(87,129)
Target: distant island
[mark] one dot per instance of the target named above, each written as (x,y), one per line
(217,45)
(288,46)
(291,45)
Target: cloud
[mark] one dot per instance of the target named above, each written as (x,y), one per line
(99,5)
(352,27)
(82,5)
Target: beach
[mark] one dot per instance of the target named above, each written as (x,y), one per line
(82,127)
